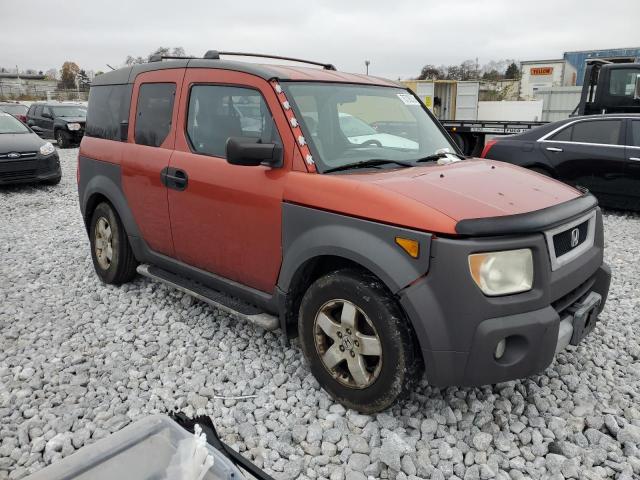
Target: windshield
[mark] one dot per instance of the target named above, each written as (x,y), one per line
(14,109)
(347,124)
(9,124)
(70,111)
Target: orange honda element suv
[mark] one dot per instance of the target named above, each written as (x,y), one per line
(335,207)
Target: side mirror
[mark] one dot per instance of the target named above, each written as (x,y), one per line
(46,115)
(124,131)
(636,95)
(250,152)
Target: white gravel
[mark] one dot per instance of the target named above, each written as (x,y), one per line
(79,359)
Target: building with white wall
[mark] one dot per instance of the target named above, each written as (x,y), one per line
(544,74)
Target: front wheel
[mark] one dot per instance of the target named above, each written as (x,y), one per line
(113,258)
(357,341)
(63,139)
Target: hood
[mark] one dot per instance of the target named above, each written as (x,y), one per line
(473,188)
(73,119)
(20,142)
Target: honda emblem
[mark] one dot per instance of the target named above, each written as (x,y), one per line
(575,237)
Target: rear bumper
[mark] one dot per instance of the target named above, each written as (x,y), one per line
(459,328)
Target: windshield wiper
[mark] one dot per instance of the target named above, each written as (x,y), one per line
(439,155)
(368,163)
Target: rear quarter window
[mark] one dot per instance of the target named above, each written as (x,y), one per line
(154,113)
(108,108)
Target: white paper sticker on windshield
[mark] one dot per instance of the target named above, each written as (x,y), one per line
(408,99)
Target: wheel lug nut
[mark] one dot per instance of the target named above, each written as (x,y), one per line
(353,354)
(342,348)
(348,331)
(339,334)
(356,343)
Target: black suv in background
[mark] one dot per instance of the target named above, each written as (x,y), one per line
(63,122)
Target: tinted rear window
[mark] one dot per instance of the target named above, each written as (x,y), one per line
(154,112)
(108,107)
(600,131)
(563,135)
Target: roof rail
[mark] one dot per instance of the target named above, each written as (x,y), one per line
(159,58)
(215,55)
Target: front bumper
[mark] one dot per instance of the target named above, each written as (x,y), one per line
(458,328)
(30,170)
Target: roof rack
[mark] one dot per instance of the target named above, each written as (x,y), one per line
(215,55)
(159,58)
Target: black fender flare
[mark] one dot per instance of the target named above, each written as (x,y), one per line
(309,233)
(104,178)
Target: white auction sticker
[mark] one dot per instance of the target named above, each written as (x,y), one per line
(408,99)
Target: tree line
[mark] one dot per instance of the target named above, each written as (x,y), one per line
(471,70)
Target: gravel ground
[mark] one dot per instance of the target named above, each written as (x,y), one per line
(79,360)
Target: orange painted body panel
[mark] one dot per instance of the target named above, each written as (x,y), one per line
(141,166)
(103,150)
(229,219)
(432,198)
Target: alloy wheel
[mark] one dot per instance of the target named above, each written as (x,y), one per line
(348,344)
(103,243)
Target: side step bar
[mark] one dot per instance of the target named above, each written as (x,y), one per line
(224,302)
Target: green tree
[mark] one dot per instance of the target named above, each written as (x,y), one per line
(513,72)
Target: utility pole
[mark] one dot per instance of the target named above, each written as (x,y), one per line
(366,64)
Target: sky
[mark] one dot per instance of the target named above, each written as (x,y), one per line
(397,37)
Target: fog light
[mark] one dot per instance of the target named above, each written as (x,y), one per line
(500,349)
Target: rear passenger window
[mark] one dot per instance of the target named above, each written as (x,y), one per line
(217,113)
(108,108)
(154,113)
(604,132)
(563,135)
(635,133)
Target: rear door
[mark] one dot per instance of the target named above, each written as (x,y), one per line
(633,160)
(151,139)
(589,153)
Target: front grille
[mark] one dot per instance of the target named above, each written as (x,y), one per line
(566,241)
(18,166)
(22,154)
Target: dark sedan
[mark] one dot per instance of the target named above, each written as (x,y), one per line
(24,156)
(600,153)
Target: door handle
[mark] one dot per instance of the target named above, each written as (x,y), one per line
(554,149)
(174,178)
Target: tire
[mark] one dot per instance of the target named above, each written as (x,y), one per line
(63,139)
(377,318)
(112,256)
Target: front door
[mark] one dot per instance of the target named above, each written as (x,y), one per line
(590,153)
(150,143)
(228,219)
(45,122)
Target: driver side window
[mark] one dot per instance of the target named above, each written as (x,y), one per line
(218,112)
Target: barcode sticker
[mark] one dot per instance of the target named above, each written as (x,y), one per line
(408,99)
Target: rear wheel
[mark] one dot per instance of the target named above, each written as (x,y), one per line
(113,258)
(357,341)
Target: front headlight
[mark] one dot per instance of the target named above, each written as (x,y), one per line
(502,273)
(73,126)
(47,149)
